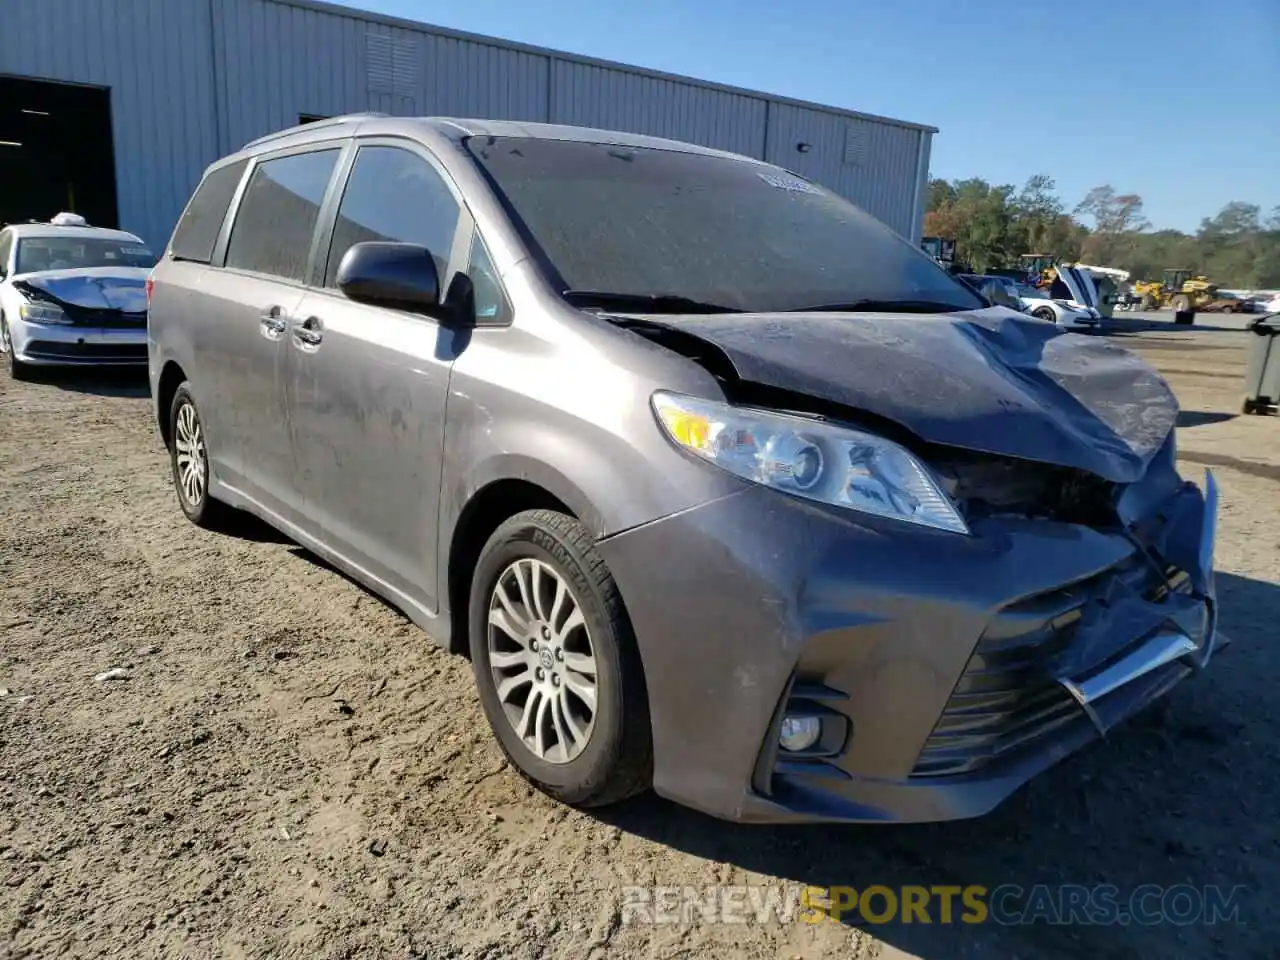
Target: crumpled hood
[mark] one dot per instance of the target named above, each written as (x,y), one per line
(989,380)
(95,288)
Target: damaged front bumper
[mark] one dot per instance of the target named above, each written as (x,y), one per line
(945,671)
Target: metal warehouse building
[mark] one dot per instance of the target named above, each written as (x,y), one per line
(113,108)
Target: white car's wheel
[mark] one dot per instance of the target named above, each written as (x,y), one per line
(1044,313)
(17,369)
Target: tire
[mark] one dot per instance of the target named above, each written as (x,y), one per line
(611,758)
(16,368)
(192,490)
(1044,313)
(1181,303)
(1249,407)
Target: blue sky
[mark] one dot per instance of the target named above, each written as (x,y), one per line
(1176,100)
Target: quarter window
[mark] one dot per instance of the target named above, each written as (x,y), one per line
(197,231)
(277,215)
(490,304)
(395,195)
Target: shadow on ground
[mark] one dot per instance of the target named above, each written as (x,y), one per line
(245,526)
(1202,418)
(1177,796)
(103,382)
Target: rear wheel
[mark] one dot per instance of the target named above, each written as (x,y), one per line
(189,462)
(556,663)
(17,369)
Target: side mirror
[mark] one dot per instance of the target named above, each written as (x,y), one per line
(401,275)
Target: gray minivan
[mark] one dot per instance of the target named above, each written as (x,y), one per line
(724,487)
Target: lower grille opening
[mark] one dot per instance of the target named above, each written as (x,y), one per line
(54,350)
(1007,697)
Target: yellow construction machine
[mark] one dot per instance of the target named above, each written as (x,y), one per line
(1180,289)
(1041,269)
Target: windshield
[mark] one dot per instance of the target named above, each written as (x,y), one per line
(78,253)
(724,233)
(1026,290)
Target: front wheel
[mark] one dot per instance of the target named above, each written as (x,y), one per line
(556,663)
(17,369)
(1044,313)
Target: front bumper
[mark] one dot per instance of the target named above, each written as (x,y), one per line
(949,670)
(1079,322)
(48,344)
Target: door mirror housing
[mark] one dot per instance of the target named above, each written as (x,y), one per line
(399,275)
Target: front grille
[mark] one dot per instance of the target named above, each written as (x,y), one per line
(88,317)
(87,352)
(1007,697)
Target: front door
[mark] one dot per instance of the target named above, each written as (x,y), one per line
(258,294)
(367,385)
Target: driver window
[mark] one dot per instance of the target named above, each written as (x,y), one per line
(393,194)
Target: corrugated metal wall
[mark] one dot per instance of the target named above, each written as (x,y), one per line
(875,165)
(192,80)
(157,59)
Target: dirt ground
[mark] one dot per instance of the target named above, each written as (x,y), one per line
(291,770)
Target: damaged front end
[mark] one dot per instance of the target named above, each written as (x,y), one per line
(943,670)
(1099,648)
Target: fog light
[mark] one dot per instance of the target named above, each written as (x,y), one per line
(799,733)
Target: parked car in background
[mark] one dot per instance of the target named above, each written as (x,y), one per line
(72,295)
(726,488)
(1066,314)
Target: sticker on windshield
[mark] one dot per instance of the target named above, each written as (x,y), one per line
(136,251)
(789,183)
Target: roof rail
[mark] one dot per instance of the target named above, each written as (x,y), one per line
(314,125)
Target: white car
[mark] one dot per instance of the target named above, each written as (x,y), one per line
(1071,302)
(72,295)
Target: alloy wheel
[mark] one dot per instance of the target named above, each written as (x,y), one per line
(189,450)
(542,661)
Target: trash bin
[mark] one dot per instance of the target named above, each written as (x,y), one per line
(1262,381)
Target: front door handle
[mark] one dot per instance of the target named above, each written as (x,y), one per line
(272,323)
(309,332)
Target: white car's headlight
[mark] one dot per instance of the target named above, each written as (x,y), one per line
(40,311)
(808,458)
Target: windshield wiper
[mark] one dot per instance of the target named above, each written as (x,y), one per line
(643,302)
(881,306)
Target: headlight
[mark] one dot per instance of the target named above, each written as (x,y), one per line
(813,459)
(40,311)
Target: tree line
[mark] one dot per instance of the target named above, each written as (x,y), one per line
(992,225)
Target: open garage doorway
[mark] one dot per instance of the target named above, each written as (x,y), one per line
(55,152)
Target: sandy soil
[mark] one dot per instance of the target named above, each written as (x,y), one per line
(290,770)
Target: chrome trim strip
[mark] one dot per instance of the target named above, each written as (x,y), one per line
(1164,647)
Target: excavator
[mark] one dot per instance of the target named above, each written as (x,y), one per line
(1180,289)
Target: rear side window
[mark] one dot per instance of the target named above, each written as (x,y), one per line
(277,215)
(197,231)
(393,194)
(6,247)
